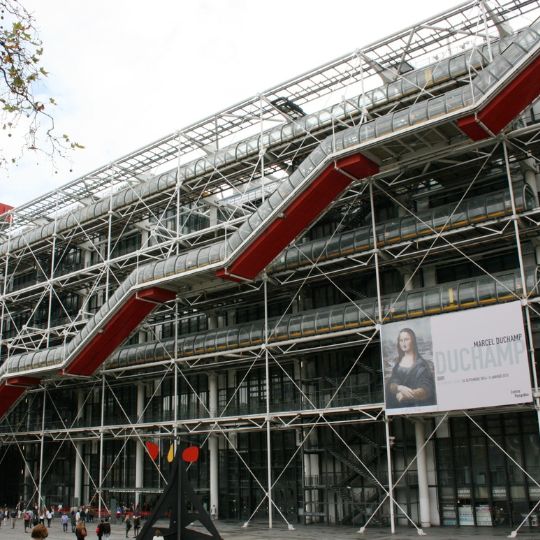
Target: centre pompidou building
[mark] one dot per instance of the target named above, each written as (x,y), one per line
(331,288)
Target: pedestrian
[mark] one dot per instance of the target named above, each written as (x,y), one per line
(42,516)
(64,520)
(99,530)
(48,515)
(136,524)
(13,516)
(39,532)
(80,531)
(157,535)
(106,528)
(213,512)
(128,524)
(27,519)
(73,521)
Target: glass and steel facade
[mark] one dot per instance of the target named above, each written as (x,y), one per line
(279,378)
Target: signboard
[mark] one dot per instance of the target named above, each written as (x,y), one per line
(462,360)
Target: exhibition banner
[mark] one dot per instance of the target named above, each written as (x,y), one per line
(462,360)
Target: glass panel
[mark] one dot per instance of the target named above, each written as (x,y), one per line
(401,119)
(505,286)
(436,106)
(414,303)
(243,335)
(408,227)
(418,113)
(383,125)
(351,316)
(294,326)
(336,319)
(486,291)
(308,325)
(323,322)
(467,293)
(432,301)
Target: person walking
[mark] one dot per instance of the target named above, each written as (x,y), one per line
(13,516)
(128,524)
(27,519)
(73,521)
(80,531)
(64,520)
(106,527)
(136,524)
(48,515)
(99,530)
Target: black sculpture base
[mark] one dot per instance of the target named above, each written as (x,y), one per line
(177,508)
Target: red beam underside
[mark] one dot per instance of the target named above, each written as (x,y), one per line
(25,382)
(470,126)
(300,213)
(8,396)
(520,92)
(6,208)
(117,329)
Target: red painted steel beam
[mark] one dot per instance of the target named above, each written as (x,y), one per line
(12,389)
(298,215)
(23,382)
(117,329)
(503,107)
(6,208)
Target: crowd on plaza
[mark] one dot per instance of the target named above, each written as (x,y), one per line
(38,521)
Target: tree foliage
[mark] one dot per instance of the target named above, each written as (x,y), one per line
(26,117)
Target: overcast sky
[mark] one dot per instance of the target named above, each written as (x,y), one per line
(128,72)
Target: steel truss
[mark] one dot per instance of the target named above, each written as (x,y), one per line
(90,260)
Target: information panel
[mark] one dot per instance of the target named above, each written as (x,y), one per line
(463,360)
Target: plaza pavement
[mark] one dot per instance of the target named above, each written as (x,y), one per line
(259,531)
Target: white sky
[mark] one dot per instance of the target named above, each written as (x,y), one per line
(128,72)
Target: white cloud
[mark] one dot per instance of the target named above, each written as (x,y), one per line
(128,72)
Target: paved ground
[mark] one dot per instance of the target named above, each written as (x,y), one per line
(259,531)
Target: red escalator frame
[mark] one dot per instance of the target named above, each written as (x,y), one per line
(504,106)
(12,389)
(117,329)
(298,215)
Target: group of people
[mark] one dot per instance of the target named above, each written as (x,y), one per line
(132,521)
(38,521)
(78,526)
(35,520)
(31,518)
(6,515)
